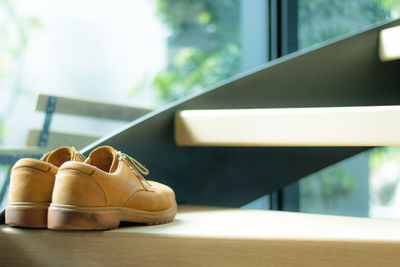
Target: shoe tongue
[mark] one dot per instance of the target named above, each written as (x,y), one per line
(60,155)
(104,158)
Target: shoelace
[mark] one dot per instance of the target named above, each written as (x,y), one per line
(138,169)
(76,153)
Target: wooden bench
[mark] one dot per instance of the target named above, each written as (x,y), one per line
(53,104)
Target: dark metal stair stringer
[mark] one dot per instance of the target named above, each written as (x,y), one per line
(344,72)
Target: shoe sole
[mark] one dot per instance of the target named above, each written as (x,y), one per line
(67,217)
(27,214)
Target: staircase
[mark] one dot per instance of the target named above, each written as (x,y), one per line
(344,72)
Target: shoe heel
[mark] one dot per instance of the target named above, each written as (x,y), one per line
(69,219)
(25,216)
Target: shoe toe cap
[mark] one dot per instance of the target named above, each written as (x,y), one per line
(161,198)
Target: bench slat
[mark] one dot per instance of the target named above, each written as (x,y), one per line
(90,108)
(57,139)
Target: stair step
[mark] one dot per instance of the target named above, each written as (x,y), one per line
(327,126)
(389,44)
(208,236)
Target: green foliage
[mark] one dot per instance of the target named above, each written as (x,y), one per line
(320,20)
(206,38)
(326,187)
(393,5)
(380,155)
(218,20)
(377,158)
(204,47)
(194,70)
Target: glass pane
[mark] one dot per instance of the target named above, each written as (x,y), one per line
(321,20)
(262,203)
(341,189)
(365,185)
(384,182)
(4,170)
(143,53)
(139,53)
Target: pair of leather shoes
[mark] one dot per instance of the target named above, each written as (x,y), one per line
(65,191)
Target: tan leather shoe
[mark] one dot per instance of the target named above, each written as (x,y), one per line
(31,187)
(106,189)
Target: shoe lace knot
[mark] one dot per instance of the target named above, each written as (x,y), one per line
(77,154)
(138,169)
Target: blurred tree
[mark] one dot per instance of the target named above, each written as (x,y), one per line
(204,47)
(393,5)
(326,188)
(320,20)
(381,155)
(14,37)
(384,184)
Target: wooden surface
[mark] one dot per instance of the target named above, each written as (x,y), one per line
(90,108)
(57,139)
(333,126)
(203,236)
(9,151)
(389,44)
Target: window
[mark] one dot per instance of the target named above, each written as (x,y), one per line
(321,20)
(151,53)
(364,185)
(141,53)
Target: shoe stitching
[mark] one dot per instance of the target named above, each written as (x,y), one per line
(102,190)
(132,195)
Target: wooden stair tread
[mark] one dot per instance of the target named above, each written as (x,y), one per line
(389,44)
(216,236)
(211,222)
(318,126)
